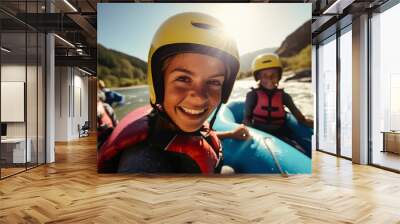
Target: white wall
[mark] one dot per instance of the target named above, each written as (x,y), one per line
(71,94)
(61,103)
(81,84)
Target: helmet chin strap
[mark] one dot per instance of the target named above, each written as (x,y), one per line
(160,110)
(215,115)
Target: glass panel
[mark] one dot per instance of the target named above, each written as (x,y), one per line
(42,6)
(31,98)
(19,7)
(385,85)
(327,97)
(13,86)
(14,6)
(23,88)
(346,94)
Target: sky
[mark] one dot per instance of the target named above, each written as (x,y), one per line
(129,27)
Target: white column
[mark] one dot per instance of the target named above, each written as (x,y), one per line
(50,98)
(360,90)
(50,92)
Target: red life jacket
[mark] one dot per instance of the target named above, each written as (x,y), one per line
(134,129)
(269,108)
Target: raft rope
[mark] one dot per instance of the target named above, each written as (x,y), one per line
(283,173)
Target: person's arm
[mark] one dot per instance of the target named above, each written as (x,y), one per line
(250,103)
(118,98)
(288,101)
(240,133)
(111,113)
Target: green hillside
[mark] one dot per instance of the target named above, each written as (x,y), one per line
(299,61)
(118,69)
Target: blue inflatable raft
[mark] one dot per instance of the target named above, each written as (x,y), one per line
(264,153)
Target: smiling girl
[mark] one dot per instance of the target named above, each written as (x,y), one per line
(192,67)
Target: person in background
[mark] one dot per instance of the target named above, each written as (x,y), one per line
(106,119)
(192,67)
(265,105)
(112,98)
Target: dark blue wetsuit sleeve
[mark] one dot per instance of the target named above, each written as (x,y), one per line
(142,159)
(250,103)
(118,98)
(114,97)
(288,102)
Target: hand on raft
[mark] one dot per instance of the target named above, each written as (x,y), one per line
(239,133)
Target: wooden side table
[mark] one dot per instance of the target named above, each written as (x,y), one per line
(391,141)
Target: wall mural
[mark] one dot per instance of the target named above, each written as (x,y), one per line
(204,88)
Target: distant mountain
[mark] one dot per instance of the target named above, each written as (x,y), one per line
(296,41)
(118,69)
(295,54)
(246,59)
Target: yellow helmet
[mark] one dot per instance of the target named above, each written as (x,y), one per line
(191,33)
(266,61)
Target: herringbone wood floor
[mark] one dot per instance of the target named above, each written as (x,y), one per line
(71,191)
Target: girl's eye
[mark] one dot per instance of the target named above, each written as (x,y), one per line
(215,82)
(183,79)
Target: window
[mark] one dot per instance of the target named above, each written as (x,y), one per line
(346,93)
(327,96)
(385,88)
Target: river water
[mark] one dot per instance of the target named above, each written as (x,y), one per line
(301,93)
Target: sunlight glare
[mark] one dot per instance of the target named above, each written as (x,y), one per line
(238,24)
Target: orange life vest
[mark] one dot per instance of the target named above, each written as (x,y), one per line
(269,108)
(134,128)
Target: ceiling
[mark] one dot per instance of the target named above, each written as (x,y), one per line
(76,22)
